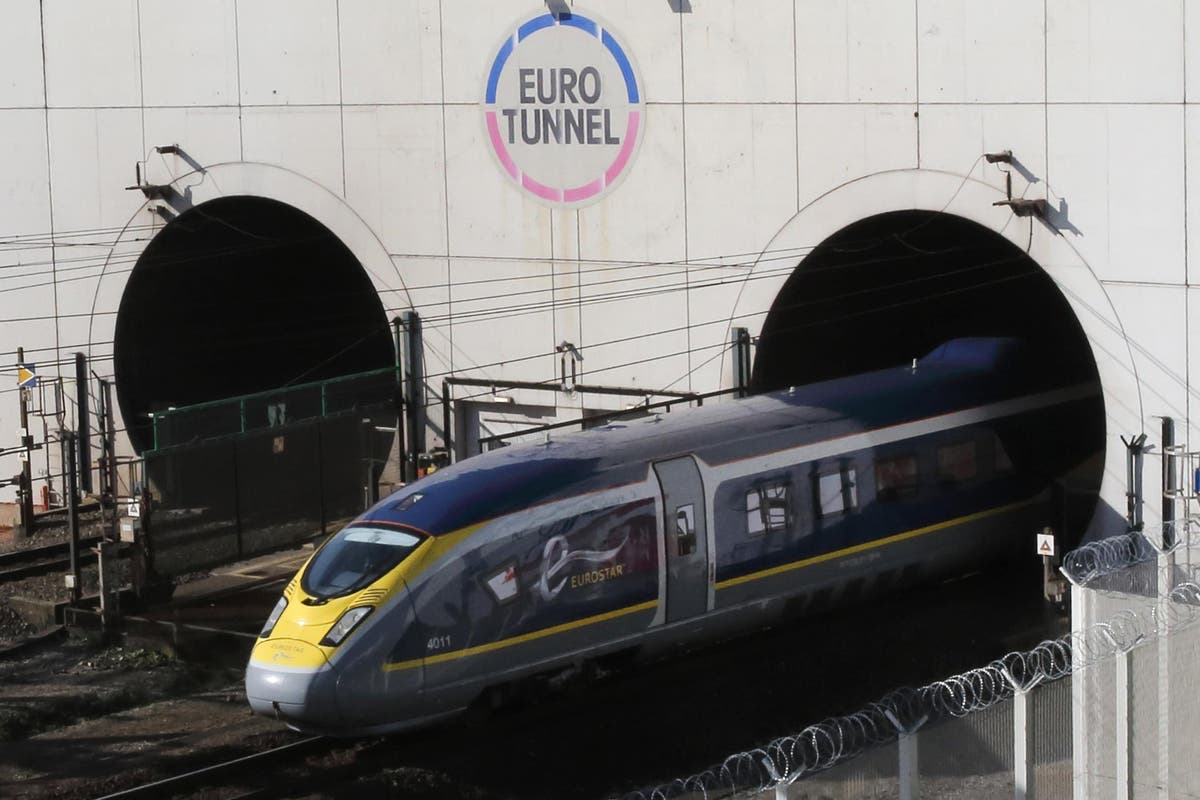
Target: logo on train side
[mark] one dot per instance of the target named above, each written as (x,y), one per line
(564,108)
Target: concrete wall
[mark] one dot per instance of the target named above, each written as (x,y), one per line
(768,126)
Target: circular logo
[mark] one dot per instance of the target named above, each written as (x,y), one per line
(563,108)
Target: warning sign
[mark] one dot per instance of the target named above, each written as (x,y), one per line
(1045,544)
(26,376)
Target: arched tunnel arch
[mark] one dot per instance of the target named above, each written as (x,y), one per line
(238,295)
(891,287)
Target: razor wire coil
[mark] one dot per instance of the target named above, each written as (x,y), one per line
(828,743)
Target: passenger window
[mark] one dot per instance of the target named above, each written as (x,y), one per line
(837,492)
(767,509)
(956,463)
(896,478)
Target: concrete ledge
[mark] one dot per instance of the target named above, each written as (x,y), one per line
(39,613)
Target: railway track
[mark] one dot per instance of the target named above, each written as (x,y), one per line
(42,560)
(244,773)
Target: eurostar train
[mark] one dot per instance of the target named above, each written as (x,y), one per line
(639,536)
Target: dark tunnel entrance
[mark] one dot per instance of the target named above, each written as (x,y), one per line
(892,287)
(239,295)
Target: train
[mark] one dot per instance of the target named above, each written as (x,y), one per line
(637,537)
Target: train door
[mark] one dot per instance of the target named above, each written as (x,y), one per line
(686,537)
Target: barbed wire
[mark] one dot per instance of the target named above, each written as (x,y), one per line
(1118,555)
(833,741)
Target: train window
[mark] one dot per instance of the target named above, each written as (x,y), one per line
(896,478)
(354,558)
(837,492)
(956,462)
(767,509)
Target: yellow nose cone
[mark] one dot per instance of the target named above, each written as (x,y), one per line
(287,653)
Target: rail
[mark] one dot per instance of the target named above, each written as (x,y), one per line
(223,773)
(35,561)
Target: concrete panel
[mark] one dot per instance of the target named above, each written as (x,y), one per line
(432,302)
(395,175)
(739,54)
(307,140)
(1190,432)
(711,300)
(955,137)
(21,82)
(1154,319)
(92,156)
(981,52)
(567,273)
(1192,190)
(421,284)
(391,51)
(503,327)
(26,320)
(489,216)
(24,195)
(1114,51)
(205,135)
(468,47)
(640,339)
(288,52)
(190,53)
(855,50)
(92,56)
(650,35)
(743,158)
(1125,206)
(1191,56)
(838,143)
(642,220)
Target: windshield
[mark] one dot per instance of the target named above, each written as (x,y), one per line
(355,558)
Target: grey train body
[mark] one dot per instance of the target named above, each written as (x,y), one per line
(643,536)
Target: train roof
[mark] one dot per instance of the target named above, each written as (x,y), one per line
(960,374)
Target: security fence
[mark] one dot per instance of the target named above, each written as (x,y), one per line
(274,408)
(1108,711)
(246,476)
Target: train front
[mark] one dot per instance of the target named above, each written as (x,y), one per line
(316,665)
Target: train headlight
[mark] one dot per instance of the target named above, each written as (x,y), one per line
(349,621)
(276,613)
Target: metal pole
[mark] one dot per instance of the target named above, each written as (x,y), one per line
(401,449)
(1168,482)
(414,387)
(1023,775)
(1124,726)
(741,360)
(26,483)
(72,514)
(83,423)
(447,438)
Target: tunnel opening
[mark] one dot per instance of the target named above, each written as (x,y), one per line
(890,288)
(240,295)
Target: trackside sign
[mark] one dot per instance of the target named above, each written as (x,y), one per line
(563,107)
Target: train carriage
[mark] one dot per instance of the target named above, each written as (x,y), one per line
(640,536)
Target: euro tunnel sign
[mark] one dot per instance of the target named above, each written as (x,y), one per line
(26,376)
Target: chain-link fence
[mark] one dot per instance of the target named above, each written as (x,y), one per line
(1108,711)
